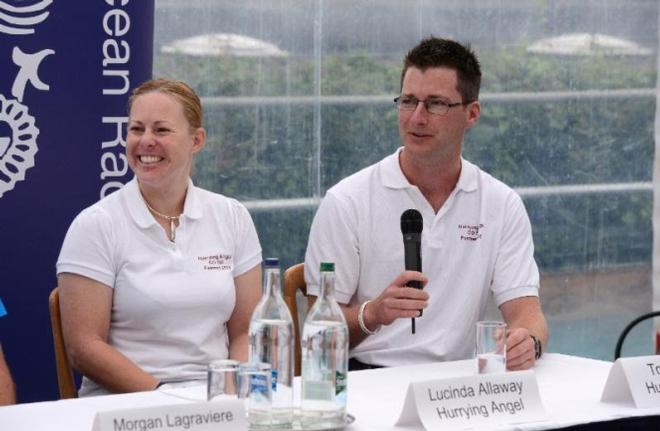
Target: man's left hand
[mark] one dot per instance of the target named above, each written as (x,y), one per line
(519,350)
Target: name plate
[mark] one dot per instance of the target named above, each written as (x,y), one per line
(199,416)
(636,380)
(471,401)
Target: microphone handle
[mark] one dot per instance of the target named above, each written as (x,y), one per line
(412,253)
(417,285)
(413,259)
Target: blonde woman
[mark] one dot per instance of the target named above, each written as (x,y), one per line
(161,277)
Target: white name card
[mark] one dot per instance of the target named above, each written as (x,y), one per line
(199,416)
(467,402)
(635,379)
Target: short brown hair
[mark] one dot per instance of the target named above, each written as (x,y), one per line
(192,106)
(436,52)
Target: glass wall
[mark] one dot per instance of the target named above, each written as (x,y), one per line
(298,94)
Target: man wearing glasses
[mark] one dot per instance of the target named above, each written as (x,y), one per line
(7,393)
(476,238)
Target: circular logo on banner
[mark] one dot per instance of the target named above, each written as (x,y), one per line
(18,20)
(18,134)
(18,143)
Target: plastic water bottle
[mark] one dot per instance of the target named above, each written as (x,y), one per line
(324,359)
(271,340)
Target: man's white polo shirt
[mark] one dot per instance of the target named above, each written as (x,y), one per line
(479,241)
(171,301)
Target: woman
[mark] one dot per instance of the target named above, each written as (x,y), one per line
(161,277)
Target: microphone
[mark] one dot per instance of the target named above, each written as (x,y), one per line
(412,224)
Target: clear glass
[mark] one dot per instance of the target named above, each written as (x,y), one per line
(271,340)
(490,350)
(572,132)
(255,388)
(324,346)
(222,380)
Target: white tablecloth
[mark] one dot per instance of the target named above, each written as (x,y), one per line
(570,389)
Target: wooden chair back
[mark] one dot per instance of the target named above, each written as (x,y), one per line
(65,379)
(294,281)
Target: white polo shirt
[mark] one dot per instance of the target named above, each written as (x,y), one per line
(480,240)
(171,301)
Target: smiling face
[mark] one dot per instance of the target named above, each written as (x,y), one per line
(160,142)
(433,137)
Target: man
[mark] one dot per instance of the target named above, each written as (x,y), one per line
(476,238)
(7,392)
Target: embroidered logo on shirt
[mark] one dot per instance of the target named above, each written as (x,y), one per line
(216,262)
(470,232)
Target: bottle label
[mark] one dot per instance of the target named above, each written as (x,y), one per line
(274,379)
(340,384)
(259,384)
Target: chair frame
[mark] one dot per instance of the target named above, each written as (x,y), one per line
(294,281)
(632,324)
(65,381)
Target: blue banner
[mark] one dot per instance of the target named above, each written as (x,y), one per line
(67,70)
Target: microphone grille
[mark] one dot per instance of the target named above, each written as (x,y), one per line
(411,221)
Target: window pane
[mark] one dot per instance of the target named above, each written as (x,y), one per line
(298,95)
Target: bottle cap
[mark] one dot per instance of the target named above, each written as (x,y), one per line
(271,262)
(327,266)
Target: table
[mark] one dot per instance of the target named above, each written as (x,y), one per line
(570,389)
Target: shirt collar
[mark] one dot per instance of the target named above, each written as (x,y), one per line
(140,213)
(467,181)
(393,177)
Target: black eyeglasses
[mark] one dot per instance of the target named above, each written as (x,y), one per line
(432,105)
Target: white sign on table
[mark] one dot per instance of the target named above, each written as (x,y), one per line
(200,416)
(465,402)
(635,379)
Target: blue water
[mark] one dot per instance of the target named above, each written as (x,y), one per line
(596,337)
